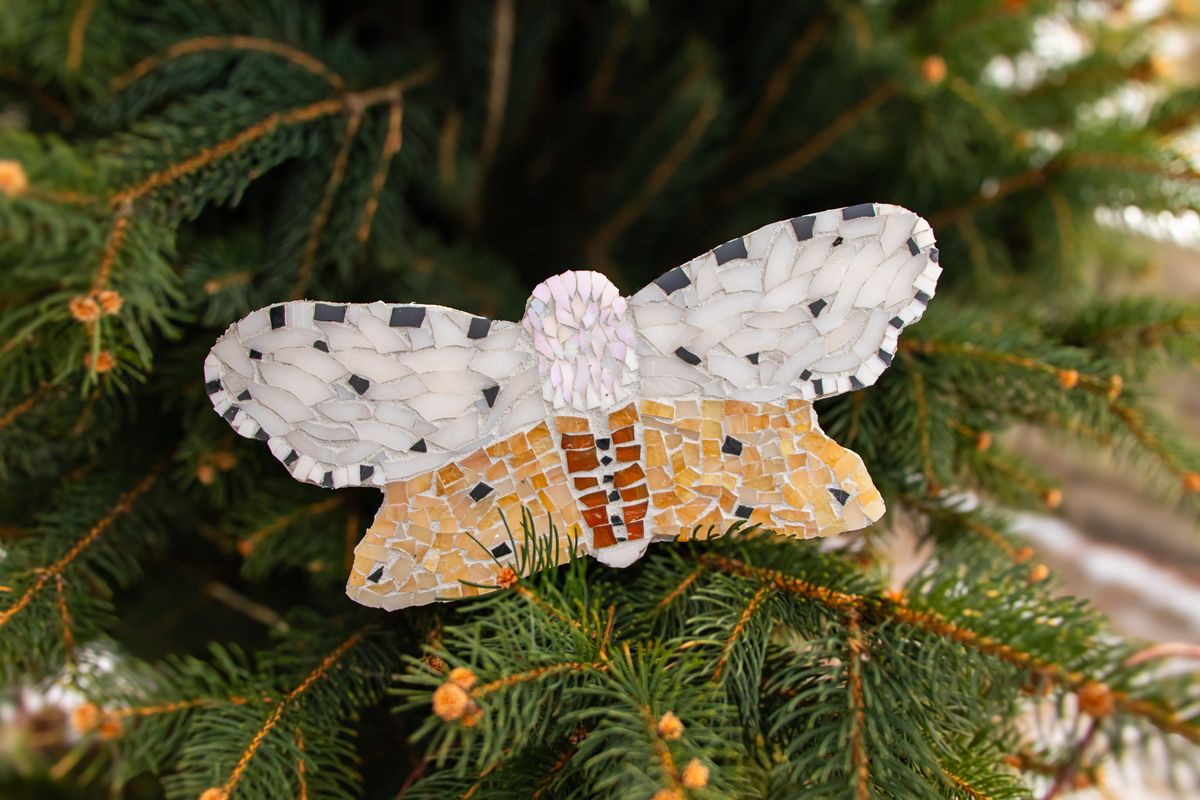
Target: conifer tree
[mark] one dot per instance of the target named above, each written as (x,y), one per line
(168,166)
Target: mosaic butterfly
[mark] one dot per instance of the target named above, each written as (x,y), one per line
(671,414)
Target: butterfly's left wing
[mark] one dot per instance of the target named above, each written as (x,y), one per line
(735,343)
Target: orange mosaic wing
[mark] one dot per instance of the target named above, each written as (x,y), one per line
(442,535)
(713,463)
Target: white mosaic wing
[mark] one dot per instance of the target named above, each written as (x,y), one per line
(808,307)
(365,394)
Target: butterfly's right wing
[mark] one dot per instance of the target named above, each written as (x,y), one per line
(348,394)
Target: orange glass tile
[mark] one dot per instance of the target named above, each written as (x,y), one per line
(623,435)
(625,416)
(594,499)
(586,482)
(628,476)
(631,452)
(602,536)
(571,424)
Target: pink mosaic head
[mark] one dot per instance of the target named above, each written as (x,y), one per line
(584,341)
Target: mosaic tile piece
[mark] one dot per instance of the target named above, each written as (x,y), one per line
(670,415)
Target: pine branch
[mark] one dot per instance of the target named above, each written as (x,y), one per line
(204,44)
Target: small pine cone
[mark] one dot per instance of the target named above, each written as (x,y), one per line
(224,460)
(104,361)
(463,678)
(695,775)
(1191,482)
(13,180)
(472,715)
(507,578)
(1116,384)
(1068,378)
(214,793)
(1038,574)
(84,309)
(110,301)
(450,702)
(1096,699)
(669,726)
(983,442)
(110,728)
(1052,498)
(933,69)
(206,475)
(85,717)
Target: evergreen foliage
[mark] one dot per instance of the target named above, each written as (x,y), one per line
(166,167)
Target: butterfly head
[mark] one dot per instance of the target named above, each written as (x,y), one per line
(583,335)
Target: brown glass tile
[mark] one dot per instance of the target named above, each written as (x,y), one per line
(602,536)
(630,452)
(578,441)
(636,511)
(636,492)
(628,476)
(586,483)
(594,499)
(581,460)
(623,435)
(636,529)
(595,516)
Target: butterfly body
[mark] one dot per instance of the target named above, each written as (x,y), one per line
(675,413)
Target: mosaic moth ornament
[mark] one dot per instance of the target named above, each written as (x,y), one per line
(671,414)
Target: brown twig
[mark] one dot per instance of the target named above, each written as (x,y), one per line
(201,44)
(77,33)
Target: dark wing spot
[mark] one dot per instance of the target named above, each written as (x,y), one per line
(407,316)
(324,312)
(860,210)
(673,281)
(479,328)
(803,226)
(734,248)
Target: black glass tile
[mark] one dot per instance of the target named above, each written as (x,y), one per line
(803,226)
(327,481)
(752,358)
(841,495)
(359,384)
(673,281)
(743,511)
(687,356)
(407,316)
(816,307)
(324,312)
(602,444)
(212,387)
(734,248)
(860,210)
(323,346)
(501,550)
(913,247)
(278,316)
(731,446)
(419,447)
(479,328)
(489,394)
(255,355)
(365,471)
(376,575)
(480,491)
